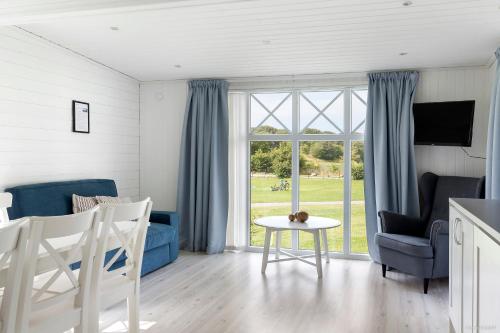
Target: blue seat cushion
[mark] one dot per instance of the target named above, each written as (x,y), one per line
(158,235)
(410,245)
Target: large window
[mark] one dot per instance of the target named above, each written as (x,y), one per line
(306,153)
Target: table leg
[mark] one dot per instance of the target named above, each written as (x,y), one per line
(278,244)
(267,243)
(317,249)
(325,244)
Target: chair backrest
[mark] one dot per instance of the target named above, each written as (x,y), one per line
(54,244)
(5,202)
(437,190)
(13,242)
(125,227)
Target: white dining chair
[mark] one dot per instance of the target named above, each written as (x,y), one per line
(55,298)
(13,242)
(115,285)
(5,202)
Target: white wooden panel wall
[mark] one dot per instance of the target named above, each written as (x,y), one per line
(162,114)
(163,103)
(450,85)
(38,82)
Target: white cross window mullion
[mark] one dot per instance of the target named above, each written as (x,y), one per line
(271,113)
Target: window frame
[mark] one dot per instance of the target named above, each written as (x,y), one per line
(295,137)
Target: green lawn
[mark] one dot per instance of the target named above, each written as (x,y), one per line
(311,190)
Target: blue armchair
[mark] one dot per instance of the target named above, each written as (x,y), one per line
(419,246)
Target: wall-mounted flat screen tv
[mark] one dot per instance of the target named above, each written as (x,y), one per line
(444,123)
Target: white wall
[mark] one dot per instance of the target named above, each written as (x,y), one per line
(162,115)
(448,85)
(492,71)
(38,82)
(163,105)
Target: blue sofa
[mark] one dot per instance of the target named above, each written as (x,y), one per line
(51,199)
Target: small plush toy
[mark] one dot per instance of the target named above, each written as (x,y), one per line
(301,216)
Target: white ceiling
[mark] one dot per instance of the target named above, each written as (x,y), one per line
(280,37)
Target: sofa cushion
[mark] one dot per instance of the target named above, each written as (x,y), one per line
(101,199)
(158,235)
(52,199)
(410,245)
(82,204)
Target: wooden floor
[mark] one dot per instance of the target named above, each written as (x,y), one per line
(227,293)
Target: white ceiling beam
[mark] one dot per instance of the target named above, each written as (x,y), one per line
(19,12)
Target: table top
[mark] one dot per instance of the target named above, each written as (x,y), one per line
(282,222)
(481,212)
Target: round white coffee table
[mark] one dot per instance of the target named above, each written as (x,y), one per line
(314,225)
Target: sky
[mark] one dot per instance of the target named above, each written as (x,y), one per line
(307,112)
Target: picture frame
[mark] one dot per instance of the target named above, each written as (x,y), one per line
(81,117)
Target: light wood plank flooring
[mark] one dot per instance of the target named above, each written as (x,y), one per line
(227,293)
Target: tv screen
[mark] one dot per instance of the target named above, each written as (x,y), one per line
(444,123)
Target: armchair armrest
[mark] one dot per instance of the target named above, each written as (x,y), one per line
(394,223)
(439,240)
(165,217)
(439,228)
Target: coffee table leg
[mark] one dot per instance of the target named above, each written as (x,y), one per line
(265,255)
(317,249)
(325,244)
(278,244)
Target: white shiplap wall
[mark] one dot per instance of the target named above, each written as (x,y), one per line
(162,114)
(38,82)
(452,84)
(163,103)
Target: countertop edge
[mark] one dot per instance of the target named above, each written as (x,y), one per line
(477,221)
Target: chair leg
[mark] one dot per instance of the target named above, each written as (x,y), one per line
(93,322)
(426,285)
(133,313)
(384,269)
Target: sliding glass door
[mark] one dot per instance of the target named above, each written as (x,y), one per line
(306,153)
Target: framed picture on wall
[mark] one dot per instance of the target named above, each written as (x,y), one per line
(81,117)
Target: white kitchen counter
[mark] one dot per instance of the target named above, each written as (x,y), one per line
(483,213)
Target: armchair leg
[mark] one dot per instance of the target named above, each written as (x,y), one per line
(426,285)
(384,269)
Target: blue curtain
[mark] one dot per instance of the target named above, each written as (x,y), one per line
(493,148)
(202,198)
(390,170)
